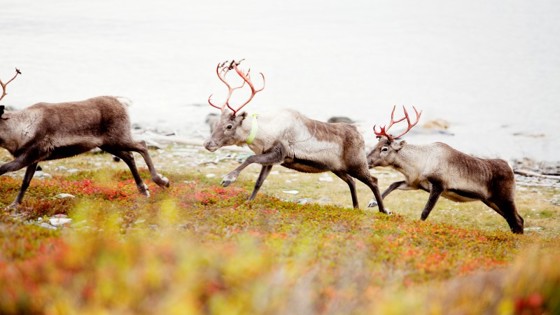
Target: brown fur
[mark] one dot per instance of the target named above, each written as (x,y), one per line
(442,170)
(53,131)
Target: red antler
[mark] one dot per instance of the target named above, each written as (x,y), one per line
(383,130)
(221,70)
(247,78)
(6,84)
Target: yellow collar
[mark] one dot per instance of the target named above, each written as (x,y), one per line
(254,129)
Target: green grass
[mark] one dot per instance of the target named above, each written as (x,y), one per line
(198,248)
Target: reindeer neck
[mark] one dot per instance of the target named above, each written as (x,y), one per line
(406,160)
(17,130)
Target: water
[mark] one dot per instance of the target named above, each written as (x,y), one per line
(492,69)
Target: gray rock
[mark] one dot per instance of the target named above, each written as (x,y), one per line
(340,119)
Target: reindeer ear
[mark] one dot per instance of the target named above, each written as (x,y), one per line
(2,107)
(398,145)
(241,116)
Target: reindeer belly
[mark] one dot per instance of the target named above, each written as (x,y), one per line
(313,156)
(68,151)
(460,195)
(453,194)
(64,147)
(305,166)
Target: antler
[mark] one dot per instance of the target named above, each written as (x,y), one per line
(6,84)
(247,78)
(221,70)
(383,130)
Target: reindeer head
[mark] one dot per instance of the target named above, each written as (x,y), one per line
(226,131)
(387,149)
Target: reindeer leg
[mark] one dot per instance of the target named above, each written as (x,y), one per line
(506,208)
(141,148)
(29,172)
(363,175)
(128,158)
(265,170)
(350,181)
(435,192)
(378,197)
(393,186)
(396,185)
(17,164)
(274,155)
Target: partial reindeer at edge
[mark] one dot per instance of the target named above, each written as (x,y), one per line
(54,131)
(290,139)
(443,171)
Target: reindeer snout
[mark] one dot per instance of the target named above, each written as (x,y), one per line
(210,145)
(370,162)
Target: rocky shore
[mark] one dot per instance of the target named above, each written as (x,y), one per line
(528,172)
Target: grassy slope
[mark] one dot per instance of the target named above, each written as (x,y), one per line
(200,248)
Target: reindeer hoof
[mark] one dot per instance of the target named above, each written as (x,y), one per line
(162,181)
(12,206)
(143,189)
(228,179)
(372,203)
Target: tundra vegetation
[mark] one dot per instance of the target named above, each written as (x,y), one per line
(200,248)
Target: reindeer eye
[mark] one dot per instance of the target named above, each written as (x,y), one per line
(384,149)
(229,127)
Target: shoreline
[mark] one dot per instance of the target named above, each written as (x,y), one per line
(528,171)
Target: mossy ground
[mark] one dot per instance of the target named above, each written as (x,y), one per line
(197,247)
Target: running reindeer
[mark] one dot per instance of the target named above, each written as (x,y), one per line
(290,139)
(54,131)
(443,171)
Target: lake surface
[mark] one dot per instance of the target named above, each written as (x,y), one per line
(492,69)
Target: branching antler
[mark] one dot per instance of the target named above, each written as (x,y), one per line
(221,70)
(4,85)
(247,78)
(383,130)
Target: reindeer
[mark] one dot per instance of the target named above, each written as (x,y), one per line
(443,171)
(290,139)
(54,131)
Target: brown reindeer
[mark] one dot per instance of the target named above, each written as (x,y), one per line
(54,131)
(443,171)
(290,139)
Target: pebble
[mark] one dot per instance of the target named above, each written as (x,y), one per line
(59,220)
(64,196)
(533,228)
(42,175)
(291,192)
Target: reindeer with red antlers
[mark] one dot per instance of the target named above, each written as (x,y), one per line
(443,171)
(290,139)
